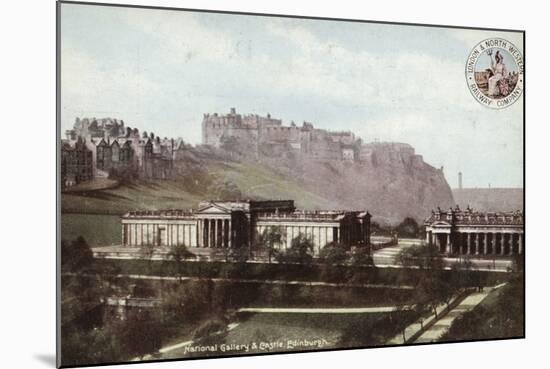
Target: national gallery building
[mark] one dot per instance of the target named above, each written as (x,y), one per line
(225,224)
(468,232)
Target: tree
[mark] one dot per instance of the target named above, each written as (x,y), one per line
(270,239)
(77,256)
(333,253)
(463,275)
(179,253)
(239,254)
(141,333)
(408,228)
(146,252)
(185,302)
(433,287)
(300,251)
(361,256)
(424,257)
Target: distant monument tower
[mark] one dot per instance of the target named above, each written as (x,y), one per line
(460,180)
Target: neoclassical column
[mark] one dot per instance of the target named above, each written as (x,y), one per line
(511,249)
(448,244)
(198,233)
(468,242)
(222,233)
(485,240)
(477,243)
(206,232)
(428,238)
(502,243)
(230,237)
(210,233)
(495,244)
(216,235)
(520,243)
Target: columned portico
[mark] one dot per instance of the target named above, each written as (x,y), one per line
(467,232)
(224,224)
(214,232)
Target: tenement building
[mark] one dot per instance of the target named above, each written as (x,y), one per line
(76,163)
(226,224)
(468,232)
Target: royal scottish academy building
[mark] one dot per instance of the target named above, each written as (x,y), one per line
(468,232)
(226,224)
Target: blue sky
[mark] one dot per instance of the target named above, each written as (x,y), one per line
(161,70)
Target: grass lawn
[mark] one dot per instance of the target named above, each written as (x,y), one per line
(499,315)
(298,332)
(252,179)
(97,229)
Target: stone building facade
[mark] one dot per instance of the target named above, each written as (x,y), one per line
(227,224)
(467,232)
(76,163)
(257,135)
(121,150)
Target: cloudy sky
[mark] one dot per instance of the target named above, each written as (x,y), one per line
(161,70)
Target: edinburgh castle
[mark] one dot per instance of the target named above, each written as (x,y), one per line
(267,136)
(109,148)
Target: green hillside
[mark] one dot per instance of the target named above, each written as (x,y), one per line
(186,191)
(95,214)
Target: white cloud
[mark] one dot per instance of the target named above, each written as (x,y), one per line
(90,89)
(180,37)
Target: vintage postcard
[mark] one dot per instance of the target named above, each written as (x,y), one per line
(239,184)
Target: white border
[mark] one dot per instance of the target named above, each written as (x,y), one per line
(28,182)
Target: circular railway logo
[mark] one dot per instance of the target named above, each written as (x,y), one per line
(494,73)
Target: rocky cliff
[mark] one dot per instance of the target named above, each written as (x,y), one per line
(390,180)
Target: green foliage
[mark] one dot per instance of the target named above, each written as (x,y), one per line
(184,303)
(179,253)
(239,254)
(425,257)
(90,346)
(408,228)
(361,256)
(380,230)
(300,251)
(331,257)
(463,275)
(499,315)
(433,286)
(270,239)
(141,334)
(333,254)
(76,257)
